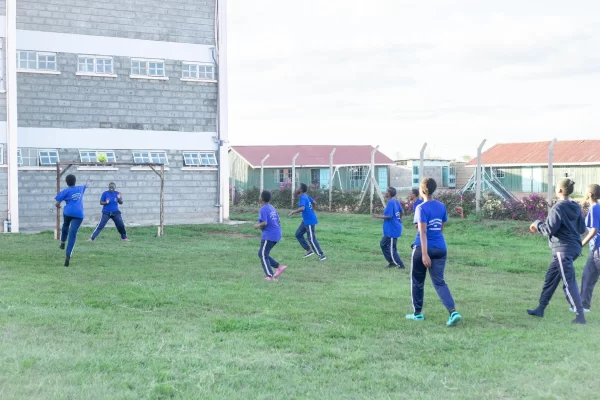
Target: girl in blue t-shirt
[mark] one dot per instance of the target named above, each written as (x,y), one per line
(591,273)
(429,253)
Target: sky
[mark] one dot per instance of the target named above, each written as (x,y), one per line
(398,73)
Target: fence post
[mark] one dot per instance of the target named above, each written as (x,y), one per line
(262,173)
(422,163)
(372,177)
(478,187)
(294,176)
(331,178)
(551,172)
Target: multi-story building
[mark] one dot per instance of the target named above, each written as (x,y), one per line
(140,80)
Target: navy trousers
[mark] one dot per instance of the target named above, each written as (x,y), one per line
(562,269)
(264,253)
(312,239)
(436,272)
(117,219)
(389,249)
(69,231)
(591,273)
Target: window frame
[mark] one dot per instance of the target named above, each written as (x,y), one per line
(114,155)
(150,152)
(281,176)
(147,62)
(359,175)
(499,173)
(95,59)
(185,64)
(200,153)
(37,68)
(40,151)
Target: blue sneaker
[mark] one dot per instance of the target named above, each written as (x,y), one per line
(415,317)
(454,319)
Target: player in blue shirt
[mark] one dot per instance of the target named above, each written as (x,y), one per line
(416,200)
(591,273)
(429,253)
(72,214)
(110,200)
(307,226)
(392,229)
(268,222)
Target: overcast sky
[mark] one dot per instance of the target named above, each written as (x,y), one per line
(397,73)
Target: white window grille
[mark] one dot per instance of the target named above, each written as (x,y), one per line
(198,71)
(48,157)
(141,68)
(150,157)
(199,158)
(91,156)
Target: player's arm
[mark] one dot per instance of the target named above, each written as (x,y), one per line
(104,200)
(59,198)
(119,199)
(424,249)
(298,210)
(550,226)
(260,225)
(593,232)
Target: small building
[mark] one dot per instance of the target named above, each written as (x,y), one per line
(405,173)
(351,166)
(523,167)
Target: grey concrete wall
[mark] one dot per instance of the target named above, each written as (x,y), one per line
(400,177)
(185,21)
(71,101)
(190,196)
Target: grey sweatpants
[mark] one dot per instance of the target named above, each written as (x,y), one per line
(591,273)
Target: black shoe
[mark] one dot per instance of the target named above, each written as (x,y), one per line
(391,266)
(536,313)
(579,320)
(67,261)
(401,266)
(62,246)
(323,258)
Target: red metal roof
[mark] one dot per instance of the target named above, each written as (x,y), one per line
(310,156)
(566,152)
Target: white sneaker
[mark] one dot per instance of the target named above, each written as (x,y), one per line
(584,310)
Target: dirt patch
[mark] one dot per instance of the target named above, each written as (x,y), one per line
(234,234)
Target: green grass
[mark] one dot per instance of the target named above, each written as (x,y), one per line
(189,316)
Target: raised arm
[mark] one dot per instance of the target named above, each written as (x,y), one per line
(551,225)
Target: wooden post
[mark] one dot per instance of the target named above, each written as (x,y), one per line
(422,163)
(551,172)
(294,177)
(478,187)
(162,201)
(262,173)
(331,178)
(372,177)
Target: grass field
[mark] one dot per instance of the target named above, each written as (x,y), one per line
(189,316)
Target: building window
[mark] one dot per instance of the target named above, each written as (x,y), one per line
(416,181)
(36,61)
(315,177)
(48,157)
(95,65)
(283,175)
(91,156)
(199,158)
(150,157)
(453,171)
(499,173)
(403,162)
(452,181)
(415,170)
(358,173)
(199,72)
(147,68)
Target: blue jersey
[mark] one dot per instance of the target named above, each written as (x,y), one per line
(272,231)
(433,213)
(73,197)
(113,204)
(392,227)
(415,205)
(308,215)
(592,221)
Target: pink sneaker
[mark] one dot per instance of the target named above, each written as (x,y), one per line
(90,240)
(280,271)
(125,240)
(268,278)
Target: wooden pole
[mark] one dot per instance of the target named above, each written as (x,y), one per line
(331,178)
(372,177)
(478,187)
(551,172)
(262,173)
(294,177)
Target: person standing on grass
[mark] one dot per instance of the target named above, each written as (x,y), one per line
(392,229)
(416,200)
(430,254)
(110,200)
(72,215)
(308,223)
(563,227)
(591,273)
(268,222)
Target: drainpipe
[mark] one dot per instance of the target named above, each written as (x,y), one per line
(11,114)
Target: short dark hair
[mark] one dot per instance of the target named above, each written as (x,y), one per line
(71,180)
(415,191)
(392,191)
(265,196)
(303,187)
(428,186)
(595,191)
(567,185)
